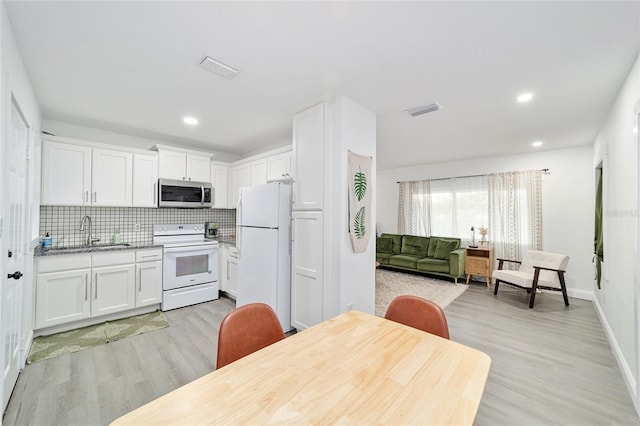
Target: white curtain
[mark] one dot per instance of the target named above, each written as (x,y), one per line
(515,213)
(508,204)
(414,216)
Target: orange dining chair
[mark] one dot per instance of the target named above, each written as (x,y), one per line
(245,330)
(419,313)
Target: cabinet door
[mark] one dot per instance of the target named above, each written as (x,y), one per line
(172,165)
(66,174)
(232,272)
(198,168)
(145,180)
(279,166)
(240,177)
(113,289)
(223,253)
(62,297)
(149,285)
(308,158)
(111,178)
(220,182)
(258,172)
(307,262)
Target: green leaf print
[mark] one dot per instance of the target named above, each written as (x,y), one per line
(358,224)
(360,185)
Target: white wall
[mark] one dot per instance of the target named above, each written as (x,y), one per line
(69,130)
(15,83)
(352,282)
(567,201)
(617,301)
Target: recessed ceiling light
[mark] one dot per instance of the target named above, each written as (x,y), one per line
(525,97)
(190,120)
(536,144)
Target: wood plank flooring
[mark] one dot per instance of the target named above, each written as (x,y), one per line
(551,365)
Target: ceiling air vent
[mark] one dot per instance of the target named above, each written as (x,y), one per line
(423,109)
(219,68)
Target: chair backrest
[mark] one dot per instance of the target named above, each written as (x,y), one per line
(546,260)
(418,313)
(245,330)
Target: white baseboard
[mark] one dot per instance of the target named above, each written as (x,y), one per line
(580,294)
(627,375)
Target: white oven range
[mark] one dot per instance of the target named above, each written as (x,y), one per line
(190,266)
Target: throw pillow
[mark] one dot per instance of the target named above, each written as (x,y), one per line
(384,245)
(397,241)
(433,243)
(443,249)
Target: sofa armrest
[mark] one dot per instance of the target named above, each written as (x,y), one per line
(456,262)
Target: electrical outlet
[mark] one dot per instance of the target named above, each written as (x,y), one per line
(136,227)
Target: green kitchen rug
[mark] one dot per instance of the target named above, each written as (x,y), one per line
(45,347)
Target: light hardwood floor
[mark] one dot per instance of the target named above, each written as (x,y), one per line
(550,365)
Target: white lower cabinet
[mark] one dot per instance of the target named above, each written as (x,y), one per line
(62,297)
(307,286)
(232,271)
(76,287)
(113,289)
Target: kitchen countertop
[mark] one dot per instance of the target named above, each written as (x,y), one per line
(40,251)
(227,240)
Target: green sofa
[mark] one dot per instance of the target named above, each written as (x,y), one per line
(431,255)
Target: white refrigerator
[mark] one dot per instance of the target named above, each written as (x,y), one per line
(263,239)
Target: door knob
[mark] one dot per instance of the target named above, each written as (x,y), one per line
(16,275)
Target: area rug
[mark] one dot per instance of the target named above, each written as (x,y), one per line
(46,347)
(390,284)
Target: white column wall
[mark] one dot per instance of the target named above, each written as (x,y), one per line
(617,301)
(567,201)
(352,279)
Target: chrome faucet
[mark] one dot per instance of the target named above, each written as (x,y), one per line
(90,239)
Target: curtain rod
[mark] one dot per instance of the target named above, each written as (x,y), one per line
(544,171)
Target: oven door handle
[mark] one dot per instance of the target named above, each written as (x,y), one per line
(192,248)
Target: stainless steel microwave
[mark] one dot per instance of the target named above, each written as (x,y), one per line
(184,194)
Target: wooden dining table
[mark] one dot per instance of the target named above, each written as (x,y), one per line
(355,368)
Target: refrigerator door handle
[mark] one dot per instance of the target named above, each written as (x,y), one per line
(238,224)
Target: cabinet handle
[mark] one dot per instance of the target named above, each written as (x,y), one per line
(95,196)
(96,286)
(86,196)
(86,287)
(140,280)
(184,178)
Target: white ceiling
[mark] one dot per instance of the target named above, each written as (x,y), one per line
(133,67)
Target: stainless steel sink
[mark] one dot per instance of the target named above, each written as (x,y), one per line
(85,248)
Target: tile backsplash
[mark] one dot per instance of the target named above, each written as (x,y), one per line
(135,224)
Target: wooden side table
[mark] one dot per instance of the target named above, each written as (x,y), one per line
(479,261)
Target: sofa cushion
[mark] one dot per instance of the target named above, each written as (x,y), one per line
(396,242)
(433,243)
(415,246)
(404,260)
(432,265)
(383,258)
(384,245)
(444,247)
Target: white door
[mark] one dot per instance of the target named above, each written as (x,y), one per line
(220,181)
(14,247)
(63,297)
(240,177)
(259,172)
(198,168)
(66,174)
(113,289)
(149,285)
(173,165)
(308,163)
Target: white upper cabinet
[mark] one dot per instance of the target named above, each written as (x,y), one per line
(111,178)
(145,180)
(183,165)
(79,175)
(308,158)
(240,176)
(198,168)
(258,172)
(66,174)
(279,166)
(220,182)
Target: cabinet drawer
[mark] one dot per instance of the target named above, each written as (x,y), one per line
(64,263)
(149,255)
(114,258)
(478,266)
